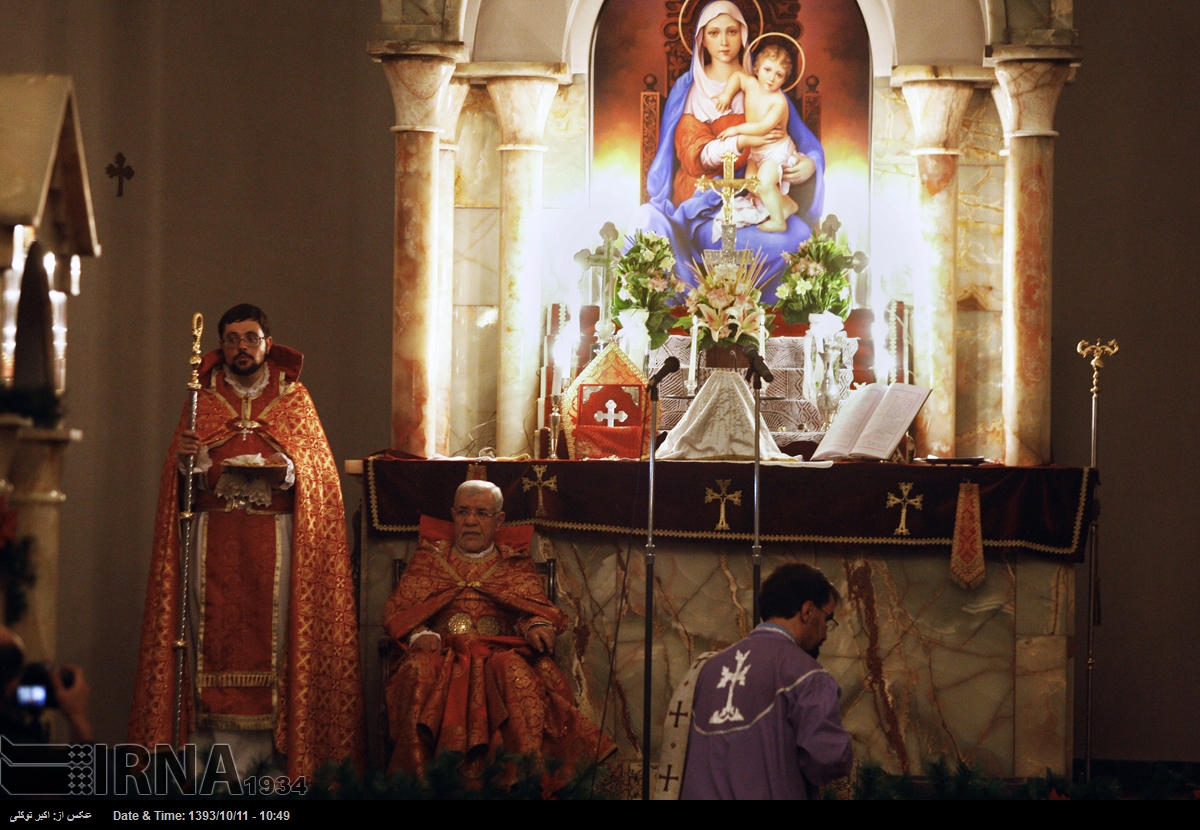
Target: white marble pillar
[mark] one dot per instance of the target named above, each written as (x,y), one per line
(1027,95)
(447,117)
(522,104)
(937,108)
(419,82)
(36,476)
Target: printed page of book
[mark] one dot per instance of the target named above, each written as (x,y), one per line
(890,421)
(854,414)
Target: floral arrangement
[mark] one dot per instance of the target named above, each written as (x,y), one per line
(817,276)
(726,305)
(645,281)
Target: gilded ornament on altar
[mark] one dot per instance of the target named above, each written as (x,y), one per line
(723,496)
(904,501)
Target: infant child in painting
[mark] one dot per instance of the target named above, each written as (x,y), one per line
(767,112)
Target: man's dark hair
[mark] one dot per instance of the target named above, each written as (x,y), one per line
(245,311)
(786,590)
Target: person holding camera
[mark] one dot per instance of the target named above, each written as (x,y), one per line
(20,721)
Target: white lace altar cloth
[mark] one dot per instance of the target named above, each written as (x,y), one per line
(790,416)
(719,425)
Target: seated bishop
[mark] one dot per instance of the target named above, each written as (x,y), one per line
(478,631)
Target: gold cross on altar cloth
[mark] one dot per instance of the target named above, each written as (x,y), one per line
(904,502)
(552,483)
(724,496)
(728,187)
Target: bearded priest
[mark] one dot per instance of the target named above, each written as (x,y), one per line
(273,663)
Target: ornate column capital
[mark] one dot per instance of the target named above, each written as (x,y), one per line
(937,107)
(522,106)
(449,107)
(1026,95)
(418,75)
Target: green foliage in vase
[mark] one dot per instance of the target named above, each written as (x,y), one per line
(817,277)
(646,281)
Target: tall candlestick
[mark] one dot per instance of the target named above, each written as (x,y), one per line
(693,360)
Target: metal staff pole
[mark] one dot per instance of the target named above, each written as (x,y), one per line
(186,517)
(670,365)
(648,665)
(756,372)
(1097,352)
(756,550)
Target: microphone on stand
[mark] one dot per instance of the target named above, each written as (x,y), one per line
(670,366)
(757,365)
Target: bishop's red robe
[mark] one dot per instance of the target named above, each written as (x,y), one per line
(486,690)
(313,700)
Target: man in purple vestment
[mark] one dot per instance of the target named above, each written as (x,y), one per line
(766,722)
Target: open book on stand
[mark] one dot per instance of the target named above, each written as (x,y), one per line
(872,421)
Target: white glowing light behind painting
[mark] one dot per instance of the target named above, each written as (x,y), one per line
(895,256)
(616,186)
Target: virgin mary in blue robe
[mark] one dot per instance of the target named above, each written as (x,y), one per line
(688,147)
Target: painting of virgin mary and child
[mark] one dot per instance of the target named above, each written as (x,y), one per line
(731,99)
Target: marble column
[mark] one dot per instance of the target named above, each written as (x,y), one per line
(419,82)
(937,108)
(522,104)
(1026,95)
(447,118)
(36,476)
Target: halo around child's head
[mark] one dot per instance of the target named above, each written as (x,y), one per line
(799,49)
(687,43)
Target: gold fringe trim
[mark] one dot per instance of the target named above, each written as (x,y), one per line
(733,537)
(239,722)
(235,679)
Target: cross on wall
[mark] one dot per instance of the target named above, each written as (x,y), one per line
(120,171)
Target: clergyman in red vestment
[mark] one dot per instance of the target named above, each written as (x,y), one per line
(273,666)
(478,677)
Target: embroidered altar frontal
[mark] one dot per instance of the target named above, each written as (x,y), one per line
(1042,510)
(930,665)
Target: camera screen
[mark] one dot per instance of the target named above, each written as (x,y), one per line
(31,695)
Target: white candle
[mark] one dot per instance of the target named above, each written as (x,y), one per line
(693,359)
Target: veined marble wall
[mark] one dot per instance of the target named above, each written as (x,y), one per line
(895,256)
(927,668)
(477,245)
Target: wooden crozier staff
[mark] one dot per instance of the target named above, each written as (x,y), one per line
(186,516)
